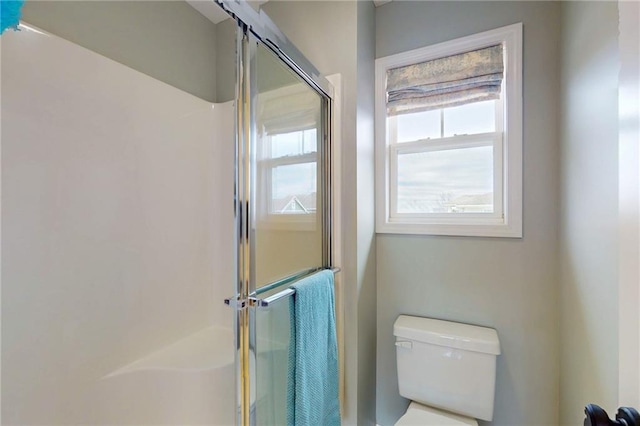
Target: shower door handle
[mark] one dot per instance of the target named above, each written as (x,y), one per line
(255,302)
(235,303)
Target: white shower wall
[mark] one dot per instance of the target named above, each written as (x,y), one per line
(117,216)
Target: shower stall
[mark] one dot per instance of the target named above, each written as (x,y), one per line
(133,211)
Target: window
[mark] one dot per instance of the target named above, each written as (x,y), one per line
(291,172)
(288,141)
(449,137)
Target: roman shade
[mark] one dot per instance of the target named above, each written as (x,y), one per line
(445,82)
(287,109)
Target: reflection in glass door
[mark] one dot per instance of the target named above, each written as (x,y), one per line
(288,199)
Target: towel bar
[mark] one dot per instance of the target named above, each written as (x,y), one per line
(263,303)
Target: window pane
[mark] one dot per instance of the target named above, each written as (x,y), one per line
(469,119)
(448,181)
(293,143)
(420,125)
(310,141)
(294,189)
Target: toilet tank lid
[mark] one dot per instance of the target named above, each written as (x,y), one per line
(446,333)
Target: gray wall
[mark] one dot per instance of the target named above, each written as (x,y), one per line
(629,204)
(589,207)
(226,60)
(508,284)
(332,35)
(366,251)
(167,40)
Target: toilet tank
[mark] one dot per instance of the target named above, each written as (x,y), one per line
(447,365)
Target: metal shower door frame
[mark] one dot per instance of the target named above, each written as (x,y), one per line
(254,28)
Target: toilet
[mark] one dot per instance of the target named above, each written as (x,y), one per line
(447,370)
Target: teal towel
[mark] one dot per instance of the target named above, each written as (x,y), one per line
(10,12)
(312,386)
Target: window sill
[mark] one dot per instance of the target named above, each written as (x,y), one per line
(471,228)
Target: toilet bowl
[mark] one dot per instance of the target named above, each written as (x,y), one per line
(446,369)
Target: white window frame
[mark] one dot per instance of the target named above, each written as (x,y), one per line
(506,142)
(300,121)
(493,140)
(270,164)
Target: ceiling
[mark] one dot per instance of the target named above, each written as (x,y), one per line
(215,14)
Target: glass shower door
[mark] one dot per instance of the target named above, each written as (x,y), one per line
(288,195)
(272,346)
(283,180)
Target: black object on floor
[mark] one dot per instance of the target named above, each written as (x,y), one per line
(596,416)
